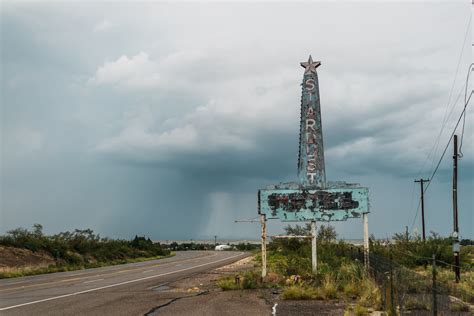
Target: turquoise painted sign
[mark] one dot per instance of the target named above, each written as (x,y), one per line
(337,204)
(312,198)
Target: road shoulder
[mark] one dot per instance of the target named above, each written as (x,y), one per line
(199,295)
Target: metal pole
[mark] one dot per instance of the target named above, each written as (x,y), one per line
(421,181)
(456,246)
(365,217)
(264,245)
(314,257)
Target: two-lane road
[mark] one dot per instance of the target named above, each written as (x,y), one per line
(116,290)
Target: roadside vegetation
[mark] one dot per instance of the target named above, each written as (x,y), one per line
(174,246)
(412,252)
(341,275)
(75,250)
(289,270)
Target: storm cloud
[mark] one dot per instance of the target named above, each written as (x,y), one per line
(164,119)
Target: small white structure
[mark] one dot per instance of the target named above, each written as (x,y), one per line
(223,247)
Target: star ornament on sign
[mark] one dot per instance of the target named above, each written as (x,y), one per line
(310,65)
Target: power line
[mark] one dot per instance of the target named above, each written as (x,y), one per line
(452,134)
(464,117)
(434,148)
(463,113)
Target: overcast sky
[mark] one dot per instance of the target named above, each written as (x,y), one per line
(165,119)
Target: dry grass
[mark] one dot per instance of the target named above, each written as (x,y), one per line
(296,292)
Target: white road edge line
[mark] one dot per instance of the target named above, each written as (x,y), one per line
(114,285)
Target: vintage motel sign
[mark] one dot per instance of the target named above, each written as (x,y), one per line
(312,199)
(337,204)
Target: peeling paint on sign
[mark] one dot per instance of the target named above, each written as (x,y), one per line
(312,198)
(336,204)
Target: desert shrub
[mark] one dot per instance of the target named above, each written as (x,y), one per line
(370,295)
(414,304)
(247,246)
(73,258)
(329,288)
(245,280)
(250,279)
(351,289)
(459,307)
(228,283)
(295,292)
(360,310)
(274,279)
(82,246)
(411,251)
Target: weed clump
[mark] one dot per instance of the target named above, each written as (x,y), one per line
(412,304)
(296,292)
(228,284)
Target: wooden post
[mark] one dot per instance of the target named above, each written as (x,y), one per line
(264,245)
(365,217)
(314,256)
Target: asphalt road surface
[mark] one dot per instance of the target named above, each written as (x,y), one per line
(127,289)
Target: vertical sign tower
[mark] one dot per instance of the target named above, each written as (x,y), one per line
(311,152)
(312,198)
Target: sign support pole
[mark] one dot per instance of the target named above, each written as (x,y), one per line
(264,245)
(314,256)
(365,217)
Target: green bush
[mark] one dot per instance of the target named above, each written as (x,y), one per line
(329,288)
(250,280)
(414,304)
(228,284)
(82,247)
(301,293)
(459,307)
(411,251)
(360,310)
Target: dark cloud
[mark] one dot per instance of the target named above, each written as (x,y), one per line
(168,124)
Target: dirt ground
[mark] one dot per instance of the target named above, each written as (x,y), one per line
(199,295)
(11,257)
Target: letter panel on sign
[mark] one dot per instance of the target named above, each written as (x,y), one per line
(336,204)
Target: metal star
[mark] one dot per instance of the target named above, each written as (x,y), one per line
(310,65)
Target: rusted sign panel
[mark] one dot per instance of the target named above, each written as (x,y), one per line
(312,198)
(336,204)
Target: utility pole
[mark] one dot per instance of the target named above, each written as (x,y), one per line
(215,240)
(456,246)
(421,181)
